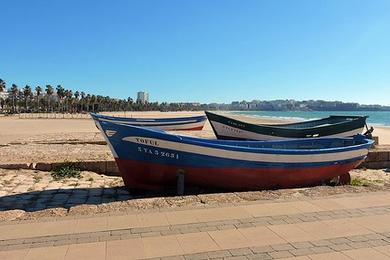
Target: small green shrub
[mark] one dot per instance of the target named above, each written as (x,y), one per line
(37,178)
(66,170)
(360,182)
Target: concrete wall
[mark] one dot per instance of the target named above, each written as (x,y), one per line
(377,160)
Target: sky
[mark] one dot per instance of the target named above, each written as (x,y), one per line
(201,50)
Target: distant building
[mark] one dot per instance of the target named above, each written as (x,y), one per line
(142,97)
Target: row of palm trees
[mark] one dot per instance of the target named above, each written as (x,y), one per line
(59,99)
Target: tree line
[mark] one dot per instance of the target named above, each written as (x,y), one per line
(61,100)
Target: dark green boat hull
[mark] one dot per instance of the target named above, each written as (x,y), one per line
(233,129)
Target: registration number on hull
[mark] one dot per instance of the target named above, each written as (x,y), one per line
(158,152)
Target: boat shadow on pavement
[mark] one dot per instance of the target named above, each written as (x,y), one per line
(67,198)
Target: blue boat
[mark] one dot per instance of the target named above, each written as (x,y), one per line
(168,124)
(151,159)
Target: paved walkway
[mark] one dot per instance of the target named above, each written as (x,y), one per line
(350,227)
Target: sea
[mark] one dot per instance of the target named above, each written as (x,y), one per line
(380,118)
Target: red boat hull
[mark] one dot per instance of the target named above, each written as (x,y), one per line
(148,175)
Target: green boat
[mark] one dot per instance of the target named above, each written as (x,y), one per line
(229,128)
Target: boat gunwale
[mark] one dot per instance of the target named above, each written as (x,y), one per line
(199,118)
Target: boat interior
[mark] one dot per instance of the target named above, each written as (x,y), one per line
(300,144)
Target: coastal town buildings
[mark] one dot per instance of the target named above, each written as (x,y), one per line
(142,97)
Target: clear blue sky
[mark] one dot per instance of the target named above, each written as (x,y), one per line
(201,50)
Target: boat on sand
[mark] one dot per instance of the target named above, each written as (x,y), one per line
(168,124)
(226,127)
(152,159)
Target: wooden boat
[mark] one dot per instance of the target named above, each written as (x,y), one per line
(152,159)
(332,126)
(168,124)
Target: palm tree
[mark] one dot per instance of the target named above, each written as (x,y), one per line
(14,91)
(88,99)
(2,85)
(82,94)
(26,93)
(76,96)
(68,98)
(2,88)
(38,90)
(93,100)
(49,92)
(60,94)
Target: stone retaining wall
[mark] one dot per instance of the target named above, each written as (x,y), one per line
(377,159)
(103,167)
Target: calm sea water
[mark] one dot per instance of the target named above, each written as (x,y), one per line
(375,117)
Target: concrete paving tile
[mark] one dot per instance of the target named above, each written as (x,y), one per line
(93,251)
(327,204)
(218,254)
(379,223)
(351,203)
(261,236)
(228,239)
(122,222)
(271,209)
(365,253)
(297,258)
(181,217)
(91,224)
(280,254)
(291,233)
(236,258)
(346,227)
(372,200)
(305,206)
(262,249)
(14,254)
(161,246)
(196,243)
(318,230)
(42,253)
(281,247)
(15,231)
(125,249)
(152,219)
(321,249)
(327,256)
(241,251)
(222,213)
(301,251)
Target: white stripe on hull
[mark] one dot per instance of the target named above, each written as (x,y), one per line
(246,156)
(229,131)
(184,126)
